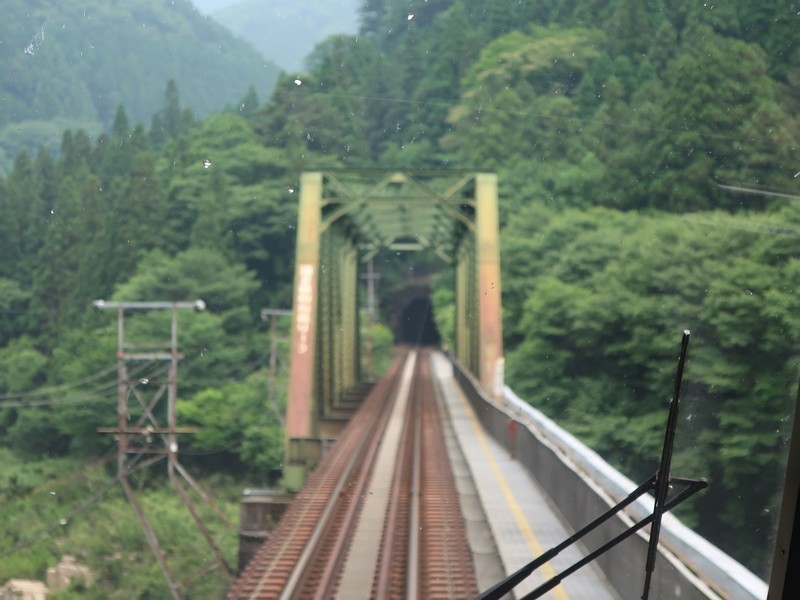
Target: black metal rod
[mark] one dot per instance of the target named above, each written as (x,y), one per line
(509,583)
(692,487)
(662,480)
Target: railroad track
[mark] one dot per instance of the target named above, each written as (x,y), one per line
(380,516)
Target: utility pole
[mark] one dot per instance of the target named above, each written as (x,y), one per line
(371,278)
(273,314)
(146,436)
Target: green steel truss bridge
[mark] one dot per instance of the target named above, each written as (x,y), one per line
(346,218)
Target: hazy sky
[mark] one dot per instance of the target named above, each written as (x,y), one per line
(284,31)
(210,6)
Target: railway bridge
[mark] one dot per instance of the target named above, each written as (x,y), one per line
(438,482)
(345,219)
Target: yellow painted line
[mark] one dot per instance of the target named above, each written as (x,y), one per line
(527,531)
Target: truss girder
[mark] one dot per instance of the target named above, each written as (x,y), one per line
(345,218)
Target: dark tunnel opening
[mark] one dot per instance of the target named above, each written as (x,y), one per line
(417,325)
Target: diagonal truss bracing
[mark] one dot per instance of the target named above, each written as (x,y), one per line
(345,218)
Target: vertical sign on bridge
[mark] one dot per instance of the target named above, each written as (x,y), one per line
(300,427)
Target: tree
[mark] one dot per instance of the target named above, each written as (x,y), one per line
(249,104)
(715,87)
(137,216)
(216,343)
(67,255)
(235,419)
(210,230)
(595,302)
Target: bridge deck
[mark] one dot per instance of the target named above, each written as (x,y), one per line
(522,521)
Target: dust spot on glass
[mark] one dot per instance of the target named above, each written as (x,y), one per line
(35,42)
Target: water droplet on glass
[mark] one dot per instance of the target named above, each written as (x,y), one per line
(207,163)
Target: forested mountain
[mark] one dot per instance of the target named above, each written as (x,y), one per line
(285,32)
(70,64)
(624,134)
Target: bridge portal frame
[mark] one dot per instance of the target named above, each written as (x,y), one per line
(341,226)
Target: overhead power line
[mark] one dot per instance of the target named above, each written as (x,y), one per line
(90,395)
(744,190)
(62,387)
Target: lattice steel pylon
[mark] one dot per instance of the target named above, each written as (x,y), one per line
(345,218)
(146,436)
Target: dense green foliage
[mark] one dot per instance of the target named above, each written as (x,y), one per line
(87,516)
(612,125)
(616,291)
(70,64)
(118,218)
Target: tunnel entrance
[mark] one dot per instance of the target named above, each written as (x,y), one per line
(409,310)
(417,326)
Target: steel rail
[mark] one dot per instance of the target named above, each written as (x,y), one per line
(299,574)
(271,568)
(446,566)
(344,526)
(391,526)
(316,573)
(414,539)
(396,527)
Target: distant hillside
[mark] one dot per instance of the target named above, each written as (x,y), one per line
(76,61)
(209,6)
(285,32)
